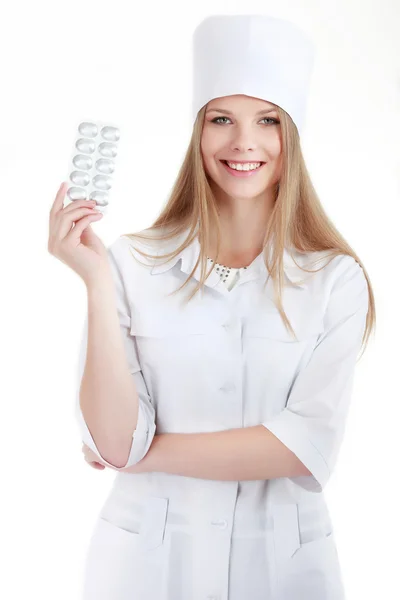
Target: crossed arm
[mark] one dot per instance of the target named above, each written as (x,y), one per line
(312,422)
(249,453)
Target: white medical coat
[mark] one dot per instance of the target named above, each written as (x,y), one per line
(226,361)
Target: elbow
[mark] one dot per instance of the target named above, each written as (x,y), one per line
(114,459)
(122,454)
(138,446)
(113,456)
(113,442)
(126,455)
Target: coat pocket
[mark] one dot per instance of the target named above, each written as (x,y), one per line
(269,325)
(308,570)
(154,522)
(170,344)
(121,564)
(161,323)
(112,563)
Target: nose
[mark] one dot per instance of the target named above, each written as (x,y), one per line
(242,142)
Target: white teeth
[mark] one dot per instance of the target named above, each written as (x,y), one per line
(243,167)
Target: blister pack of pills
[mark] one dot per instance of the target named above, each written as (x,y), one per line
(92,162)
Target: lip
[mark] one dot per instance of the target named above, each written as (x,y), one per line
(242,173)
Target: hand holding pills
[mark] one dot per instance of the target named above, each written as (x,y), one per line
(87,188)
(72,240)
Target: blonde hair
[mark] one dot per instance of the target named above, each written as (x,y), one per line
(297,217)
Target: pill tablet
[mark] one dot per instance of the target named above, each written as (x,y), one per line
(92,162)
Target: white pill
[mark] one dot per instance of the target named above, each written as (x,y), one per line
(111,134)
(82,162)
(100,197)
(75,193)
(85,145)
(107,149)
(104,165)
(80,178)
(88,129)
(102,182)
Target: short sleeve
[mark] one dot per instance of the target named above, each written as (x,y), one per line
(313,421)
(144,433)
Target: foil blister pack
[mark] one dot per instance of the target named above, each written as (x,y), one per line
(92,162)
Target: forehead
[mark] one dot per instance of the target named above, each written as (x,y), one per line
(240,100)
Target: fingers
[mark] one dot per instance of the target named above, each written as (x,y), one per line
(88,453)
(55,218)
(91,458)
(96,465)
(59,200)
(67,220)
(81,225)
(79,204)
(54,212)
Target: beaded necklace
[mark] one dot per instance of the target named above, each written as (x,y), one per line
(224,270)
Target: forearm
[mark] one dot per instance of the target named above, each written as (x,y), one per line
(108,397)
(250,453)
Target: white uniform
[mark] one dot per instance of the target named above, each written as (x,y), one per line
(221,362)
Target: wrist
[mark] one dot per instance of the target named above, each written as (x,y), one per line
(99,282)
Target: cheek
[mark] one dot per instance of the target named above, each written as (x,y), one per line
(274,158)
(206,164)
(278,165)
(209,161)
(276,150)
(211,145)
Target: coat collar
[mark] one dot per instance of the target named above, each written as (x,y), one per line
(188,257)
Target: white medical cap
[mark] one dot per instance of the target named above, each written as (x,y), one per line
(256,55)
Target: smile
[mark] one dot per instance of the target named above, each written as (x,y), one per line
(242,173)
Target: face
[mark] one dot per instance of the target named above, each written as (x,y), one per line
(243,130)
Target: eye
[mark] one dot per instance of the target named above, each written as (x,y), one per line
(217,120)
(275,121)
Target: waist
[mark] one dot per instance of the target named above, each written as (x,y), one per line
(194,504)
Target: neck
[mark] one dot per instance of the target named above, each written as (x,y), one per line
(243,223)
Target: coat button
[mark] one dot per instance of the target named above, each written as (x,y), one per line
(221,523)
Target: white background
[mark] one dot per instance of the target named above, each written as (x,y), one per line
(130,63)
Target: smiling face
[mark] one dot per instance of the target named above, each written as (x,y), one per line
(243,130)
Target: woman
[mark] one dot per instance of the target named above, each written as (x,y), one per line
(236,397)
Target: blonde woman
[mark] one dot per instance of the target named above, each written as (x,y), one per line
(223,409)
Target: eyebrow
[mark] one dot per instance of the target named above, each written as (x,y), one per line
(228,112)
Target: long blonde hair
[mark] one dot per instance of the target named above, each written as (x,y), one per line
(297,217)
